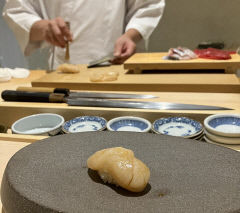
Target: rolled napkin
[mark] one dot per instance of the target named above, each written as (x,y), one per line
(19,73)
(6,73)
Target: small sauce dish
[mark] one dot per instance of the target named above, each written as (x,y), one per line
(177,126)
(129,124)
(38,124)
(227,125)
(222,139)
(84,124)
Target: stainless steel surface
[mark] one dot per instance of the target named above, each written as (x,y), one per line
(52,60)
(101,61)
(139,105)
(109,95)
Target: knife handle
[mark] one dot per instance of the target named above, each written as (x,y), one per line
(44,89)
(23,96)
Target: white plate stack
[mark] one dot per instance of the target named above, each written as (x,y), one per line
(222,128)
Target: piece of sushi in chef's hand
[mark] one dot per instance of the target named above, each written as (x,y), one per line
(120,167)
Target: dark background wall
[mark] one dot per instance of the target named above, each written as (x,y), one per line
(185,23)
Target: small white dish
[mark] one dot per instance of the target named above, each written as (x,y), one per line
(227,125)
(198,137)
(206,139)
(84,124)
(177,126)
(222,139)
(129,124)
(38,124)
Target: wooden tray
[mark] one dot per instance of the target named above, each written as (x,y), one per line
(154,61)
(191,82)
(11,111)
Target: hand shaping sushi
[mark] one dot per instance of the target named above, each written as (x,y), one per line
(119,166)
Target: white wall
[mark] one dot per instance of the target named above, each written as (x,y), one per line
(189,22)
(9,48)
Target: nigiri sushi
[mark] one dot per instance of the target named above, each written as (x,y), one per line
(120,167)
(68,68)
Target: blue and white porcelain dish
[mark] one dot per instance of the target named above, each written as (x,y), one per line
(129,124)
(177,126)
(227,125)
(84,124)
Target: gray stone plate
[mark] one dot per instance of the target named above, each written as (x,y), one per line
(186,176)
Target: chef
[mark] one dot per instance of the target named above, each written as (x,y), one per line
(97,27)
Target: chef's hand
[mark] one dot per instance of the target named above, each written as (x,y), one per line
(125,46)
(54,31)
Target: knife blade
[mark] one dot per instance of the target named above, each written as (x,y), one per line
(12,95)
(52,60)
(140,104)
(86,94)
(101,61)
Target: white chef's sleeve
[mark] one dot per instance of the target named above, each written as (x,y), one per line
(144,15)
(20,16)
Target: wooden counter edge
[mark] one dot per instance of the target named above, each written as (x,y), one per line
(21,138)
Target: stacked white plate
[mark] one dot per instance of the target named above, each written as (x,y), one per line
(222,128)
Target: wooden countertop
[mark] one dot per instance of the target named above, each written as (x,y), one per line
(150,61)
(9,145)
(168,81)
(11,111)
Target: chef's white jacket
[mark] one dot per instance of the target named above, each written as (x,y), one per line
(96,24)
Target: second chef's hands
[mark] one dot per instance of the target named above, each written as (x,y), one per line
(57,33)
(54,31)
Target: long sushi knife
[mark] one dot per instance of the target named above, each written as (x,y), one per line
(139,104)
(11,95)
(86,94)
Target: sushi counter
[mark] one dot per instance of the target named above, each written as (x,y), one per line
(211,89)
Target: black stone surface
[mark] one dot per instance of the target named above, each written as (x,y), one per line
(186,176)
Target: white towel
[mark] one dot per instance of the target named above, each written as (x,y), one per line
(6,73)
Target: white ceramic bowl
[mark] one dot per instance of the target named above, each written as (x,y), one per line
(129,124)
(39,124)
(227,125)
(231,146)
(222,139)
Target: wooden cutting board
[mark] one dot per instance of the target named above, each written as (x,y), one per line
(161,82)
(155,61)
